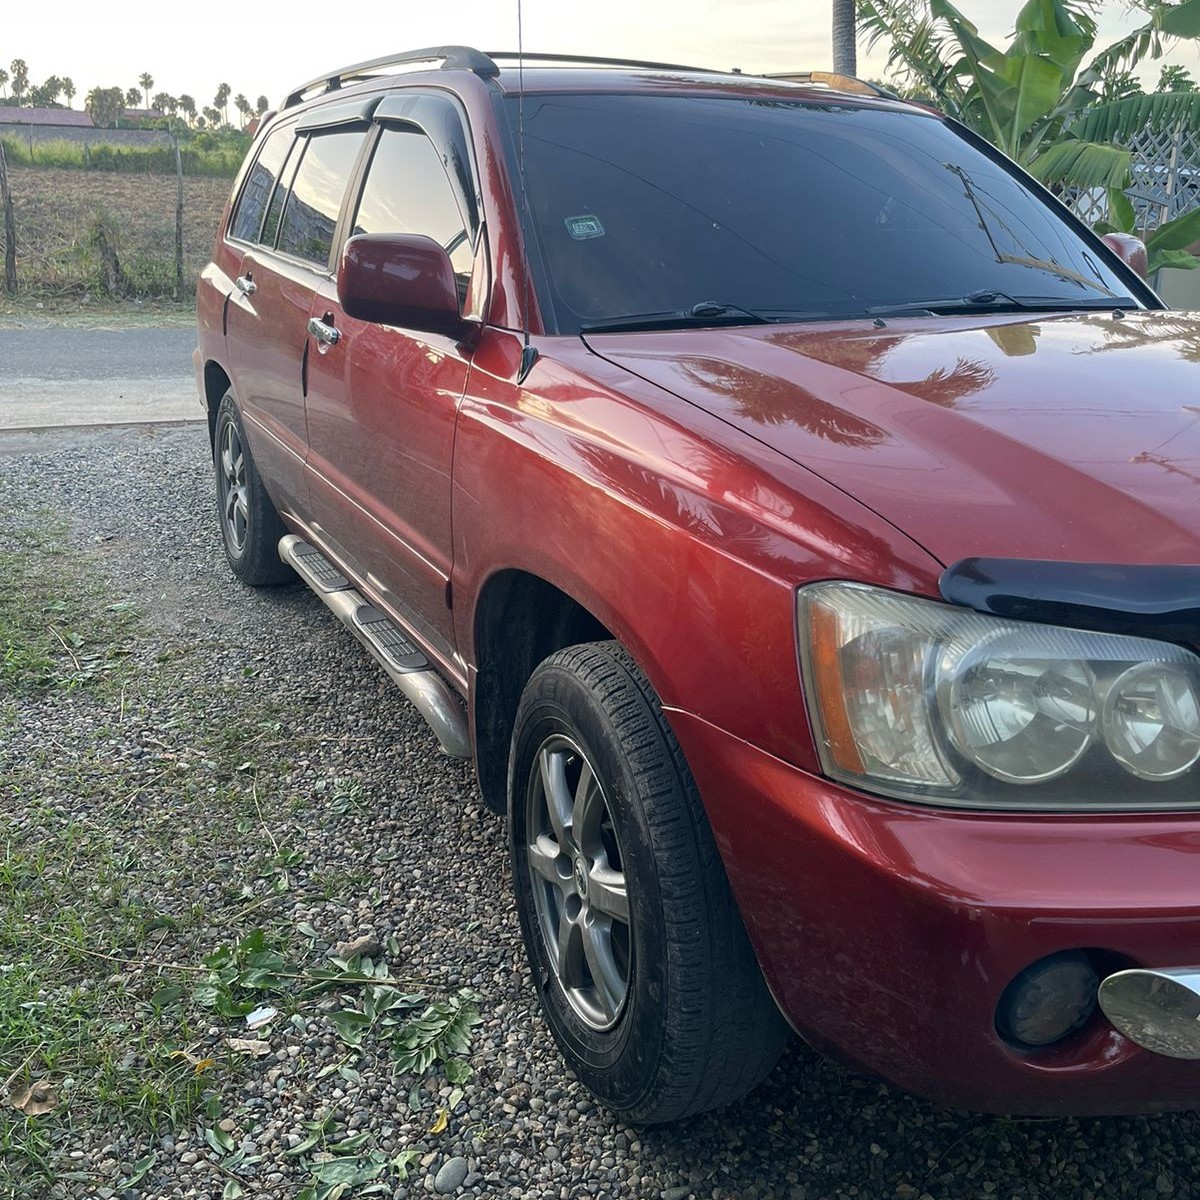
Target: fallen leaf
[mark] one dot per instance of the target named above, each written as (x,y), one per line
(366,946)
(255,1047)
(201,1065)
(35,1100)
(440,1121)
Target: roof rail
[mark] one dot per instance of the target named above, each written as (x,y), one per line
(831,79)
(591,60)
(453,58)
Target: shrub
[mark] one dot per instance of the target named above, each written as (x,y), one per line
(103,156)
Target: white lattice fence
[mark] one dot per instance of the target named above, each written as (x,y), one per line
(1166,179)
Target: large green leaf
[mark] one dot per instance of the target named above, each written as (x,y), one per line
(1034,87)
(1120,120)
(1059,29)
(1120,210)
(1182,20)
(1176,234)
(985,84)
(1082,164)
(1181,260)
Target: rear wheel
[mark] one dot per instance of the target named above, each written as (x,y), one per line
(646,976)
(250,525)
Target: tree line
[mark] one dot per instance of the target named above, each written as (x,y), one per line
(107,105)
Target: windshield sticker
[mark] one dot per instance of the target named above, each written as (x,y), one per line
(582,228)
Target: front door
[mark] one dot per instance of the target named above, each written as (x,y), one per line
(383,402)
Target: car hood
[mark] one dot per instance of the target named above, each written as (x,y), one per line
(1068,437)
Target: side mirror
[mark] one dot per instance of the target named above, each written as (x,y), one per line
(1129,249)
(400,279)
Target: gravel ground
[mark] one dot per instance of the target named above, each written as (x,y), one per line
(410,856)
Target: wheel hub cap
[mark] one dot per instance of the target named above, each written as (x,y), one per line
(578,879)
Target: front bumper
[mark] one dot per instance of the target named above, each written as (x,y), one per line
(888,932)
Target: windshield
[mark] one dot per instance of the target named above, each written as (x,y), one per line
(786,209)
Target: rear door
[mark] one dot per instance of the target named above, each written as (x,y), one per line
(287,257)
(383,401)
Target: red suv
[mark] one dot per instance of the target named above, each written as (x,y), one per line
(803,503)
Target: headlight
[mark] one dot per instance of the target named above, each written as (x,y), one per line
(927,701)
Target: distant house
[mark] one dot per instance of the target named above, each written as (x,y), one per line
(14,117)
(141,114)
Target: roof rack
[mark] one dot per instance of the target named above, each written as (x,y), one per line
(831,79)
(452,58)
(591,60)
(460,58)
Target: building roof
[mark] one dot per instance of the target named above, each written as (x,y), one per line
(11,114)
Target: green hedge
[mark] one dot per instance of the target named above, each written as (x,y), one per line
(145,160)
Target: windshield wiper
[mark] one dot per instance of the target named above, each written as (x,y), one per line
(708,313)
(990,300)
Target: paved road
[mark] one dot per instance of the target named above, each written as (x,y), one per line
(54,376)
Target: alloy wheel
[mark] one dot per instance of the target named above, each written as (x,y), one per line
(235,505)
(578,880)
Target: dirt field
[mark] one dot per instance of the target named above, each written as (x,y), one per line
(60,215)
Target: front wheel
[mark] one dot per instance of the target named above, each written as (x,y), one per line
(250,525)
(647,979)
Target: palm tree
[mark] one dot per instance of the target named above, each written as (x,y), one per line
(4,82)
(845,57)
(68,87)
(147,82)
(187,106)
(20,79)
(221,101)
(243,106)
(261,105)
(133,98)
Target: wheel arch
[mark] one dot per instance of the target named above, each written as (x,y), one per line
(216,384)
(520,619)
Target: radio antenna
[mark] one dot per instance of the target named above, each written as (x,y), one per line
(528,353)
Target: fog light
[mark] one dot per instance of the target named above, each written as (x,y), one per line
(1048,1000)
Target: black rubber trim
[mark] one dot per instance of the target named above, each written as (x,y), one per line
(1147,601)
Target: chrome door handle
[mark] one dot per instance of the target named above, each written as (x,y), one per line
(246,285)
(325,334)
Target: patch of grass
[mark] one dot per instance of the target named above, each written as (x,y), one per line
(56,630)
(64,154)
(147,853)
(56,209)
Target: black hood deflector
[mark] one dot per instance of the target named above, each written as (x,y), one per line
(1154,602)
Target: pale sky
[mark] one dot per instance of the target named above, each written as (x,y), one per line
(264,47)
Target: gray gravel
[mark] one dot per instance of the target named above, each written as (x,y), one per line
(422,862)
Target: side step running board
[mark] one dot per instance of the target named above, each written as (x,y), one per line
(387,643)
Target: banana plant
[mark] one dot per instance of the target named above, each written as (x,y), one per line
(1036,99)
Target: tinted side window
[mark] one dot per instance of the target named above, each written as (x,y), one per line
(407,191)
(312,209)
(259,185)
(282,191)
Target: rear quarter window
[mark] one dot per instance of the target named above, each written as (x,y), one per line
(259,185)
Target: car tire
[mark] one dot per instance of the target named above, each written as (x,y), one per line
(646,976)
(250,525)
